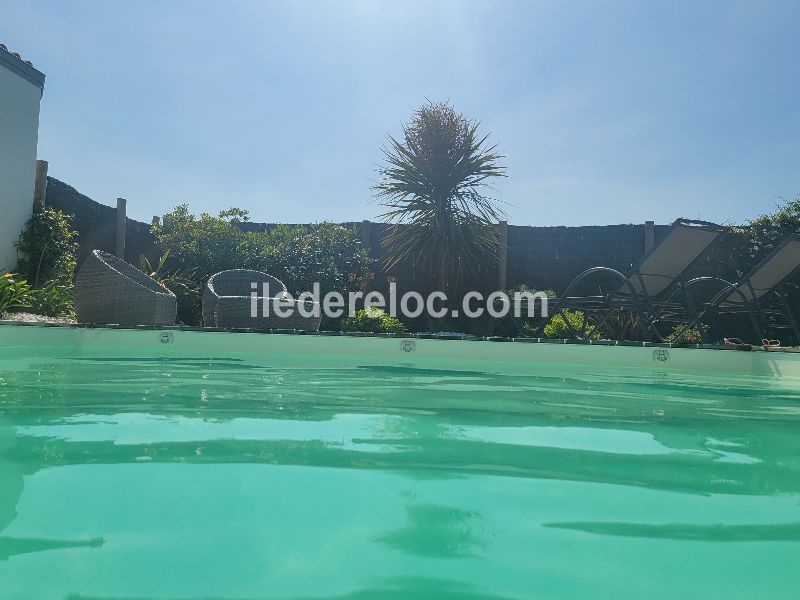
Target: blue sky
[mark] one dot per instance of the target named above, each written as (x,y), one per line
(608,112)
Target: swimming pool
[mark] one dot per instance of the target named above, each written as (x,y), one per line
(180,464)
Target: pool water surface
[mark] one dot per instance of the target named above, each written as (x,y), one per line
(223,477)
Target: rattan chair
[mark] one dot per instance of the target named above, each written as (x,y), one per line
(110,290)
(228,303)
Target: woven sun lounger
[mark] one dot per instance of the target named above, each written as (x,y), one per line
(109,290)
(227,303)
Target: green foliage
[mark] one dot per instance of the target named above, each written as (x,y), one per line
(180,282)
(764,233)
(206,244)
(53,299)
(327,253)
(785,221)
(559,329)
(487,325)
(372,320)
(235,215)
(623,325)
(431,185)
(687,335)
(511,325)
(15,294)
(46,250)
(47,257)
(761,237)
(525,288)
(197,247)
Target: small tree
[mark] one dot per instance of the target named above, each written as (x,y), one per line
(46,258)
(432,186)
(46,249)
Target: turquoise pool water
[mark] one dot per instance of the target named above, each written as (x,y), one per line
(197,478)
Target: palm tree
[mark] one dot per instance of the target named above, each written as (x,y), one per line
(431,185)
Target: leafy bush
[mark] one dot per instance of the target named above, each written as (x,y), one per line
(47,257)
(487,325)
(558,328)
(767,230)
(623,325)
(511,325)
(181,283)
(372,320)
(687,335)
(47,250)
(53,299)
(327,253)
(14,294)
(205,244)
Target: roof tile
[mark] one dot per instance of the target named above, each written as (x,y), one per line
(4,48)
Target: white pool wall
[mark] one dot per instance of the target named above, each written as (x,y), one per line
(332,351)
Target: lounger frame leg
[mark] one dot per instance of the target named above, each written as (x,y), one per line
(584,333)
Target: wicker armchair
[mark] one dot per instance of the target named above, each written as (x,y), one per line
(109,290)
(227,303)
(237,284)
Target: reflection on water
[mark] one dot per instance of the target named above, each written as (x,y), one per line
(14,546)
(210,478)
(681,531)
(439,532)
(390,588)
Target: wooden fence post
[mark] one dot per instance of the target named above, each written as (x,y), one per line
(502,256)
(364,235)
(122,224)
(40,185)
(649,235)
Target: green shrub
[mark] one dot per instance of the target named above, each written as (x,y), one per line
(327,253)
(299,256)
(53,299)
(623,325)
(14,294)
(204,244)
(767,230)
(181,283)
(372,320)
(46,257)
(512,326)
(557,327)
(687,335)
(46,249)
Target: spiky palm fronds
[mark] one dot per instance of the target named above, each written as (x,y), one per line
(431,185)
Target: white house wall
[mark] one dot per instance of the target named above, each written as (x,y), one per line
(19,130)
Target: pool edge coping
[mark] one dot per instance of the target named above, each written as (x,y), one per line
(420,336)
